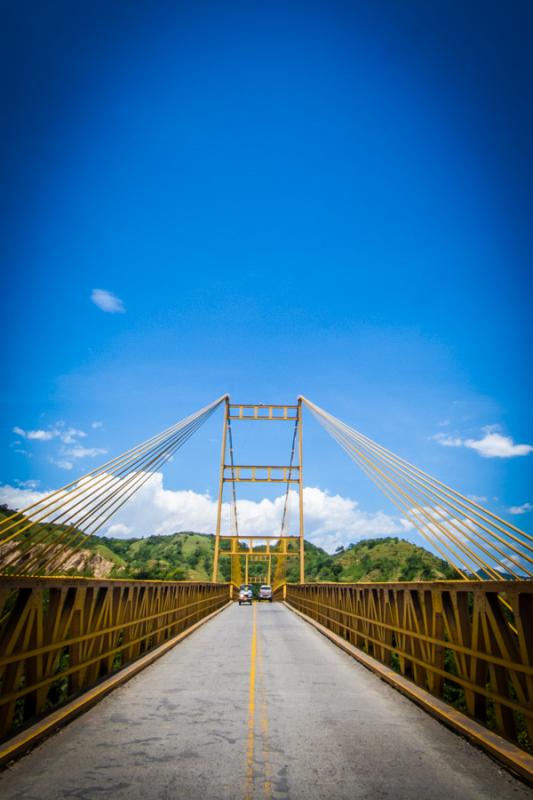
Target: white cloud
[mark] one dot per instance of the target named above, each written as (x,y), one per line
(62,463)
(107,301)
(69,435)
(118,531)
(39,435)
(17,497)
(84,452)
(28,484)
(491,445)
(494,445)
(97,424)
(447,441)
(58,431)
(525,508)
(330,520)
(478,498)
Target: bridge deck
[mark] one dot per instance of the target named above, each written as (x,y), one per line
(323,727)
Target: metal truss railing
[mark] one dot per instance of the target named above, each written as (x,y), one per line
(456,640)
(60,636)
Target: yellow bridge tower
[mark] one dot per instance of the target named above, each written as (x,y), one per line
(280,546)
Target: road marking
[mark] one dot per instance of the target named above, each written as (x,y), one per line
(251,711)
(263,718)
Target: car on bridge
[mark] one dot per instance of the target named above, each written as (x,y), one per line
(246,594)
(265,592)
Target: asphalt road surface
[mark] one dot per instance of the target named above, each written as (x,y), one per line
(257,704)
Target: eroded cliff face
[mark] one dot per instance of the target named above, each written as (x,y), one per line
(81,561)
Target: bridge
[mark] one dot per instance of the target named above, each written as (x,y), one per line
(168,688)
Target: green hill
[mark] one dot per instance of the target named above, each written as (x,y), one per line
(391,559)
(383,559)
(178,556)
(189,556)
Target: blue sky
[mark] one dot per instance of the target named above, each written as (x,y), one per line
(331,199)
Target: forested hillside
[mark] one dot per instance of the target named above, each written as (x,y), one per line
(189,556)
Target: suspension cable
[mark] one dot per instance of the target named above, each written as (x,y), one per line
(233,479)
(79,509)
(476,538)
(285,505)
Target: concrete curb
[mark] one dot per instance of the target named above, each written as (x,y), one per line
(27,739)
(508,754)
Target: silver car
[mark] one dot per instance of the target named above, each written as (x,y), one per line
(265,592)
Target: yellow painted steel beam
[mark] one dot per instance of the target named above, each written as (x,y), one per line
(261,466)
(254,555)
(262,538)
(301,491)
(101,625)
(263,405)
(264,473)
(261,480)
(261,412)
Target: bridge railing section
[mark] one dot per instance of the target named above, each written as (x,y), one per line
(470,644)
(60,636)
(278,592)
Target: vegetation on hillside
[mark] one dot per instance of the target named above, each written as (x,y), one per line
(391,559)
(189,556)
(178,556)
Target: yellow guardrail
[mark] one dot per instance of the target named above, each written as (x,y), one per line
(457,640)
(60,636)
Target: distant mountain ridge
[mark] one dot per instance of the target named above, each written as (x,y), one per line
(189,556)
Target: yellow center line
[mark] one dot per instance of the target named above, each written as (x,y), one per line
(251,711)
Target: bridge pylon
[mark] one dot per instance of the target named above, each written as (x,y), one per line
(243,548)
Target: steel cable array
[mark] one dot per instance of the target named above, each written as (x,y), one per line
(236,570)
(70,515)
(286,505)
(280,572)
(478,543)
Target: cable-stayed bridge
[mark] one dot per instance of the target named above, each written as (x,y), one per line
(257,703)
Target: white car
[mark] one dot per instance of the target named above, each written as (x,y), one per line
(265,592)
(245,594)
